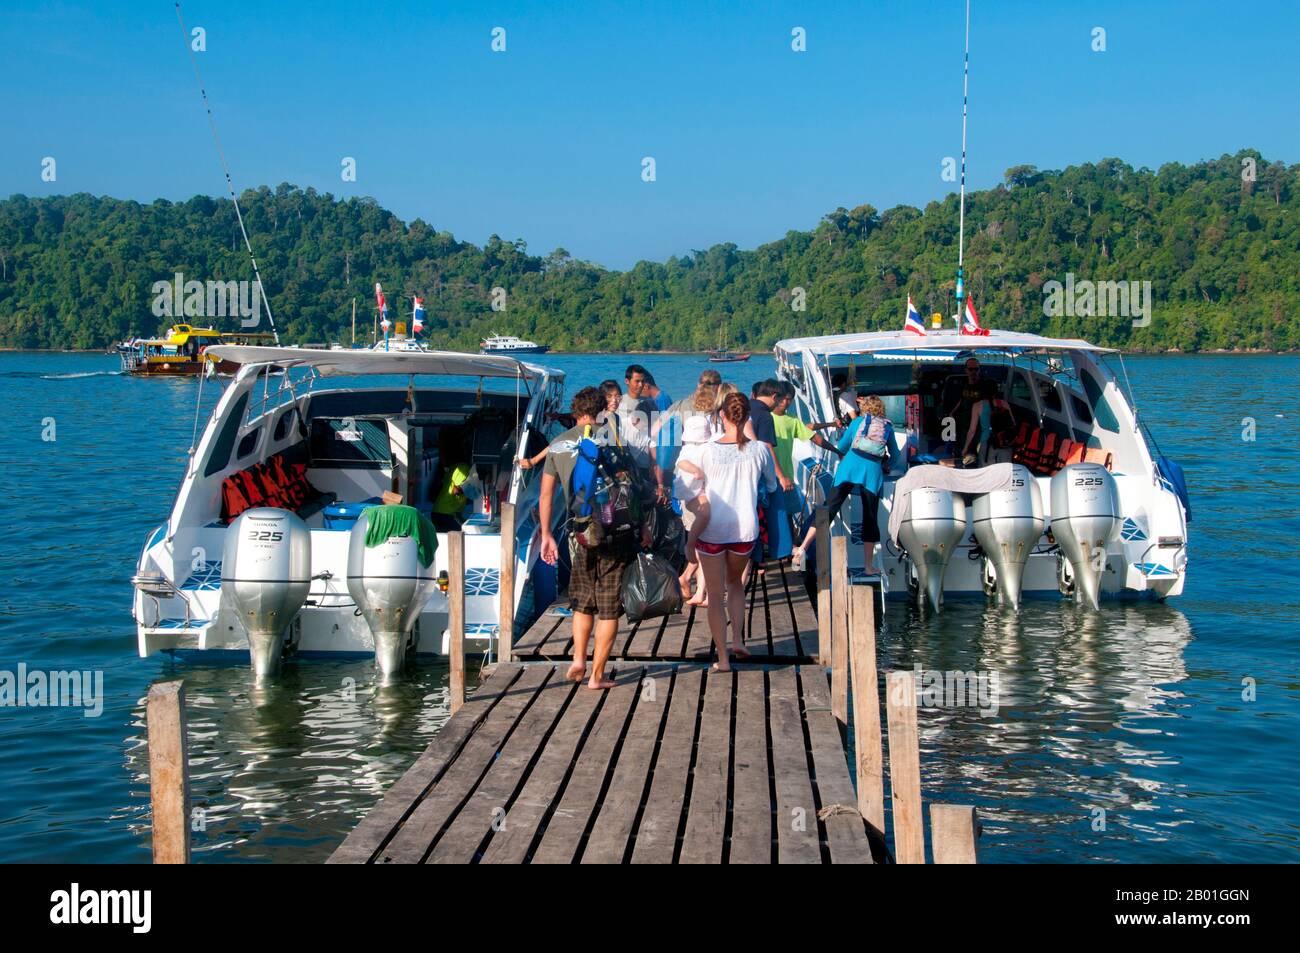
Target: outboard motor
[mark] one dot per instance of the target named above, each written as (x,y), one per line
(1008,524)
(1085,516)
(265,576)
(935,524)
(390,587)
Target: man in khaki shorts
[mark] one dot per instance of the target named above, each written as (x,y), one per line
(596,579)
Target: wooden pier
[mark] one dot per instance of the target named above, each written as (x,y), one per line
(678,763)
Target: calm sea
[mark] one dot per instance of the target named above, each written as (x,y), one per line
(1125,736)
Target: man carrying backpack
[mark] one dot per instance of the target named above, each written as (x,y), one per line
(606,528)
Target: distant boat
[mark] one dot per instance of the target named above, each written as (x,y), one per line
(399,344)
(509,344)
(182,352)
(722,354)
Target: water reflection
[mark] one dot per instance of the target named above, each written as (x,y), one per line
(1086,702)
(294,762)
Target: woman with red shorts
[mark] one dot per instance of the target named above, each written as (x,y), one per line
(730,470)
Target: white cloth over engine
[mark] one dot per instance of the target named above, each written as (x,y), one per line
(984,480)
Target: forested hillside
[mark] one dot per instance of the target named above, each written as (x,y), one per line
(1220,249)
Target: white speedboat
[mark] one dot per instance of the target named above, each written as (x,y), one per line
(400,343)
(259,550)
(1088,512)
(509,344)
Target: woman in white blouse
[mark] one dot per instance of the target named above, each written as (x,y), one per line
(730,470)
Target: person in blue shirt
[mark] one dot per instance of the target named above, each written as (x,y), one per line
(653,391)
(865,454)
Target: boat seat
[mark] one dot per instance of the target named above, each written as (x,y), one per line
(1046,462)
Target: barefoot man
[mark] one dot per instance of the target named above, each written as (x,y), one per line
(596,579)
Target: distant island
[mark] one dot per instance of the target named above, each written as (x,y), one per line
(1215,245)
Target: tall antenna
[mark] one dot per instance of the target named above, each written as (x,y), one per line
(961,215)
(225,167)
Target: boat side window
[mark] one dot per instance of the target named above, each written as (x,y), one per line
(248,444)
(1050,395)
(1082,412)
(1105,417)
(225,441)
(283,423)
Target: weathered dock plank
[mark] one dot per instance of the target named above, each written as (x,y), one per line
(677,763)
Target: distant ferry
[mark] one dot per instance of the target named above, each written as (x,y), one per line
(509,344)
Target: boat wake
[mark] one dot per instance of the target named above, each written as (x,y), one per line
(70,377)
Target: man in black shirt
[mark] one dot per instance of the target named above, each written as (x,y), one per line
(975,389)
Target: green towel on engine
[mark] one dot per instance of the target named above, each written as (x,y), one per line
(385,522)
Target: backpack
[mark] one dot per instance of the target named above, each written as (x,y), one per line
(605,496)
(870,438)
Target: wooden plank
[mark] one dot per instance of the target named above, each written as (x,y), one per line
(840,628)
(699,639)
(531,641)
(456,617)
(561,841)
(672,642)
(169,776)
(905,769)
(954,832)
(706,816)
(846,838)
(400,800)
(824,626)
(784,633)
(612,832)
(506,585)
(438,808)
(797,831)
(511,844)
(866,707)
(751,807)
(487,807)
(642,643)
(656,837)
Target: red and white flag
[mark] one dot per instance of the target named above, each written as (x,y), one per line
(383,308)
(417,316)
(970,323)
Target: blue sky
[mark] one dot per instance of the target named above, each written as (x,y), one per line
(544,142)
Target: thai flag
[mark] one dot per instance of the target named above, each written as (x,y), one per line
(383,308)
(913,322)
(417,319)
(970,323)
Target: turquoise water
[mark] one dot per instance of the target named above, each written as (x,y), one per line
(1137,711)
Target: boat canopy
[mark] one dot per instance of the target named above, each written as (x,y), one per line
(330,363)
(942,343)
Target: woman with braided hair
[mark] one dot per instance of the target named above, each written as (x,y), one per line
(729,472)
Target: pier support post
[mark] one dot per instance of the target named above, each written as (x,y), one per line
(905,769)
(506,586)
(823,539)
(169,776)
(840,628)
(954,831)
(456,617)
(866,707)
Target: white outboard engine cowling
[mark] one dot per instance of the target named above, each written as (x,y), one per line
(1008,524)
(1085,517)
(935,524)
(391,588)
(265,577)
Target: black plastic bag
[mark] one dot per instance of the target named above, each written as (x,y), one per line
(650,588)
(668,536)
